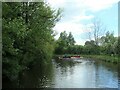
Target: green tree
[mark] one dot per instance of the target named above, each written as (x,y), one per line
(91,47)
(71,40)
(108,43)
(28,36)
(64,43)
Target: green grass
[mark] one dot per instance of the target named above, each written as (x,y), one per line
(106,58)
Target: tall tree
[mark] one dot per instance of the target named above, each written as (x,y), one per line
(108,43)
(71,40)
(98,30)
(64,42)
(91,47)
(27,35)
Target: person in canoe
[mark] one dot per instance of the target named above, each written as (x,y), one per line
(66,56)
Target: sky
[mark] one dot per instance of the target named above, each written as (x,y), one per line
(78,15)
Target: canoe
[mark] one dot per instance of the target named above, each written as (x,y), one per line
(69,57)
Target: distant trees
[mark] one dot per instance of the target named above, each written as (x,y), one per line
(108,45)
(71,40)
(97,30)
(90,47)
(118,46)
(103,42)
(64,42)
(27,35)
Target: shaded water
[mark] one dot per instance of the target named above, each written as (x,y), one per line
(81,73)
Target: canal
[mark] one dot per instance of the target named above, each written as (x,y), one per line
(77,73)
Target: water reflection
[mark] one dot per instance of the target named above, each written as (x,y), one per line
(106,75)
(79,73)
(88,74)
(39,76)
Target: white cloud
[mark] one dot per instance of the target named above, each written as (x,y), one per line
(77,12)
(92,5)
(75,28)
(82,17)
(80,42)
(97,5)
(68,27)
(56,3)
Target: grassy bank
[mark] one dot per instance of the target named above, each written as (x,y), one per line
(106,58)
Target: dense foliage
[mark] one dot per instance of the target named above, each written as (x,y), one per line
(64,42)
(107,45)
(27,33)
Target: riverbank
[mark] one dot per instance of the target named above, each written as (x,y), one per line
(106,58)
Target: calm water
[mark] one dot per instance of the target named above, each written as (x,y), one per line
(81,73)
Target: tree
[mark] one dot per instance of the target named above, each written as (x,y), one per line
(27,35)
(118,46)
(90,47)
(98,30)
(108,43)
(71,40)
(64,42)
(115,46)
